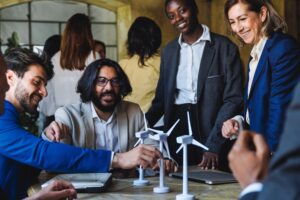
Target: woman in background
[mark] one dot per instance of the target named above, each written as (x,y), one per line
(142,64)
(76,52)
(273,70)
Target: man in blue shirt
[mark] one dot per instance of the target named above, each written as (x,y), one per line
(22,155)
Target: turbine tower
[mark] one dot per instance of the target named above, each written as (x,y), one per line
(142,135)
(162,138)
(184,140)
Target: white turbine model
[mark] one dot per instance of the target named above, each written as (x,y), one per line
(184,140)
(142,135)
(162,138)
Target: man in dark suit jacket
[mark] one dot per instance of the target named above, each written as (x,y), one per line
(211,89)
(249,164)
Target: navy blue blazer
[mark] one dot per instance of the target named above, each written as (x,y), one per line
(276,75)
(219,88)
(283,179)
(22,155)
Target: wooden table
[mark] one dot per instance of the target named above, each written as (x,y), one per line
(123,189)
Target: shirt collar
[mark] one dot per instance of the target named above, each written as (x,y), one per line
(204,37)
(258,48)
(95,115)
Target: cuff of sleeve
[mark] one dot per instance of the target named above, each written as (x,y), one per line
(111,159)
(254,187)
(44,137)
(239,118)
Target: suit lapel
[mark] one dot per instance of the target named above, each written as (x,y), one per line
(246,88)
(90,140)
(207,57)
(122,121)
(261,64)
(173,68)
(259,69)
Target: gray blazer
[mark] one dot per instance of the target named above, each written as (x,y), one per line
(78,117)
(219,88)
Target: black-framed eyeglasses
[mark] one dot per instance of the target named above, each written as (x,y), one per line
(102,81)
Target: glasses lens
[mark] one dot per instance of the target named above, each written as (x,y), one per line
(115,82)
(101,81)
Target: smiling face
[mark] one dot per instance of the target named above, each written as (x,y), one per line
(30,89)
(106,95)
(245,23)
(181,16)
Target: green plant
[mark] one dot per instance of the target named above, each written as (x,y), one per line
(13,41)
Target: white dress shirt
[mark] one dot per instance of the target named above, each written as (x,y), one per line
(106,132)
(188,69)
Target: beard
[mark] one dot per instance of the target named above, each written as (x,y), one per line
(106,108)
(25,99)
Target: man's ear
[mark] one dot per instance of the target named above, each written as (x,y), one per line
(11,77)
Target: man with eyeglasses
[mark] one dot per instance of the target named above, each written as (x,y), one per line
(22,154)
(103,120)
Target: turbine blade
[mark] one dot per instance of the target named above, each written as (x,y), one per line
(171,129)
(139,141)
(196,143)
(167,148)
(189,123)
(181,146)
(155,131)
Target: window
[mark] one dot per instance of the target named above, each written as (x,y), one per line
(34,22)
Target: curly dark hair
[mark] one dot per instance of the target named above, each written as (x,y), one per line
(144,39)
(86,83)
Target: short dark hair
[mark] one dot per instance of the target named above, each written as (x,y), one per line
(86,83)
(19,60)
(142,28)
(98,42)
(191,4)
(51,47)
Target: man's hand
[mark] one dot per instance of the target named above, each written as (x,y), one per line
(170,166)
(229,128)
(143,155)
(249,158)
(59,189)
(210,160)
(56,131)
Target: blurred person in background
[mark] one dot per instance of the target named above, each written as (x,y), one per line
(142,64)
(100,48)
(76,52)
